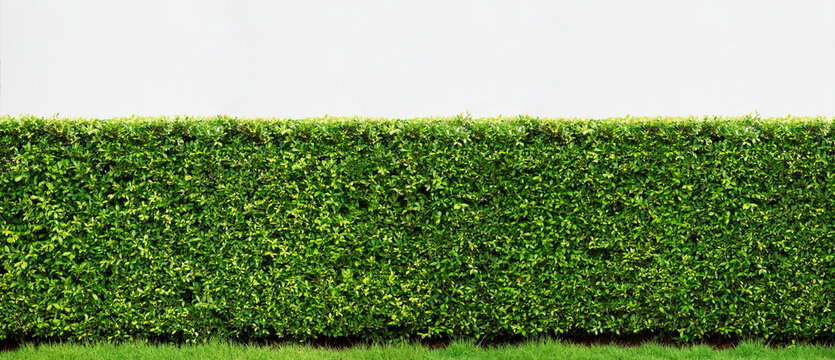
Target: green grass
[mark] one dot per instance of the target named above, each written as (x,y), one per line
(457,350)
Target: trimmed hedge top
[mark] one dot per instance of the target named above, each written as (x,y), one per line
(186,228)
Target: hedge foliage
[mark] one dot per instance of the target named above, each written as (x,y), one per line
(250,228)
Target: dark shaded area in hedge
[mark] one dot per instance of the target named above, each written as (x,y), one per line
(188,228)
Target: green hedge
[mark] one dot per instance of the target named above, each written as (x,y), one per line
(245,228)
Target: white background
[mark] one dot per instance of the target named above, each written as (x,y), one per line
(405,58)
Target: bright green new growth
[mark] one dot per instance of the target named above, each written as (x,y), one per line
(191,228)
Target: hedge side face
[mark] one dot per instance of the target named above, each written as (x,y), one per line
(155,228)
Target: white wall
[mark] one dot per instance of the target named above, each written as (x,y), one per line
(417,57)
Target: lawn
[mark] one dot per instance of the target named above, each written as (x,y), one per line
(457,350)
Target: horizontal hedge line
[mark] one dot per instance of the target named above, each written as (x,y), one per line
(244,228)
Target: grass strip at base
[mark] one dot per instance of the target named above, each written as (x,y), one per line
(457,350)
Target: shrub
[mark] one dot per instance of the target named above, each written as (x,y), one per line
(249,228)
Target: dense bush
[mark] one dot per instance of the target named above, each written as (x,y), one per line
(187,228)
